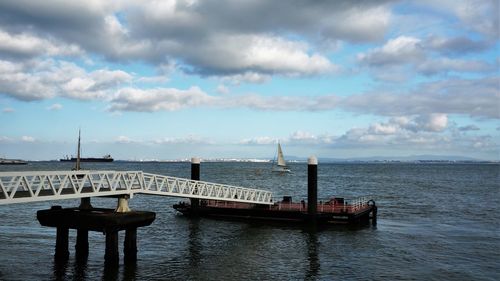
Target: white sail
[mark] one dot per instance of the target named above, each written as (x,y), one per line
(281,159)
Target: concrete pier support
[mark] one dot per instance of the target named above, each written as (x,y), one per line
(123,204)
(130,245)
(111,253)
(312,188)
(82,243)
(106,221)
(195,175)
(62,252)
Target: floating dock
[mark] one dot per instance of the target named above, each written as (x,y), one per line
(333,211)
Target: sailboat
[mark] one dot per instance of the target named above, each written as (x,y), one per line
(280,165)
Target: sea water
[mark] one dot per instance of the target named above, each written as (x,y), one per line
(435,222)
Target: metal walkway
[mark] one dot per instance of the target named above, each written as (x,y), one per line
(34,186)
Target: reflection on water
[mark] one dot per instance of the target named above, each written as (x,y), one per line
(59,269)
(194,243)
(312,255)
(80,267)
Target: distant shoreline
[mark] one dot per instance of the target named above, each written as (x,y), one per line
(347,161)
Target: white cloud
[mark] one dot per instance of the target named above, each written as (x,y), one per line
(398,58)
(8,110)
(259,141)
(27,139)
(25,45)
(45,79)
(222,89)
(123,139)
(402,49)
(190,139)
(55,107)
(476,15)
(169,99)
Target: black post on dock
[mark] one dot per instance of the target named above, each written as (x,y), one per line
(195,175)
(312,188)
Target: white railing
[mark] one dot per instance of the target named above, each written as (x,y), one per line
(180,187)
(21,187)
(359,203)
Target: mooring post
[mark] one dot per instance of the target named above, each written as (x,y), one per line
(312,188)
(111,254)
(130,245)
(374,215)
(62,252)
(195,175)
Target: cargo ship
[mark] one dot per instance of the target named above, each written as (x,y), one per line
(333,211)
(105,158)
(4,161)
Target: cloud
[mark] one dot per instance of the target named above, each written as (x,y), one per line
(46,79)
(220,38)
(25,45)
(8,110)
(123,139)
(190,139)
(418,55)
(444,65)
(150,100)
(55,107)
(472,97)
(402,49)
(469,128)
(222,89)
(456,45)
(27,139)
(259,141)
(475,15)
(414,133)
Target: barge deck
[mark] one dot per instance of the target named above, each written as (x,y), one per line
(334,211)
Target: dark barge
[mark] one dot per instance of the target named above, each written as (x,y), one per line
(334,211)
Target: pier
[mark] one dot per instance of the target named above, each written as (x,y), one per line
(36,186)
(206,199)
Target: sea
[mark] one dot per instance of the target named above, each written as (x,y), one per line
(436,221)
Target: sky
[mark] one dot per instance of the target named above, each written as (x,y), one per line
(164,80)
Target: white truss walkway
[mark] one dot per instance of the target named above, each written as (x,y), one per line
(33,186)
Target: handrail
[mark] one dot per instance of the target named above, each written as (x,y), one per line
(34,186)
